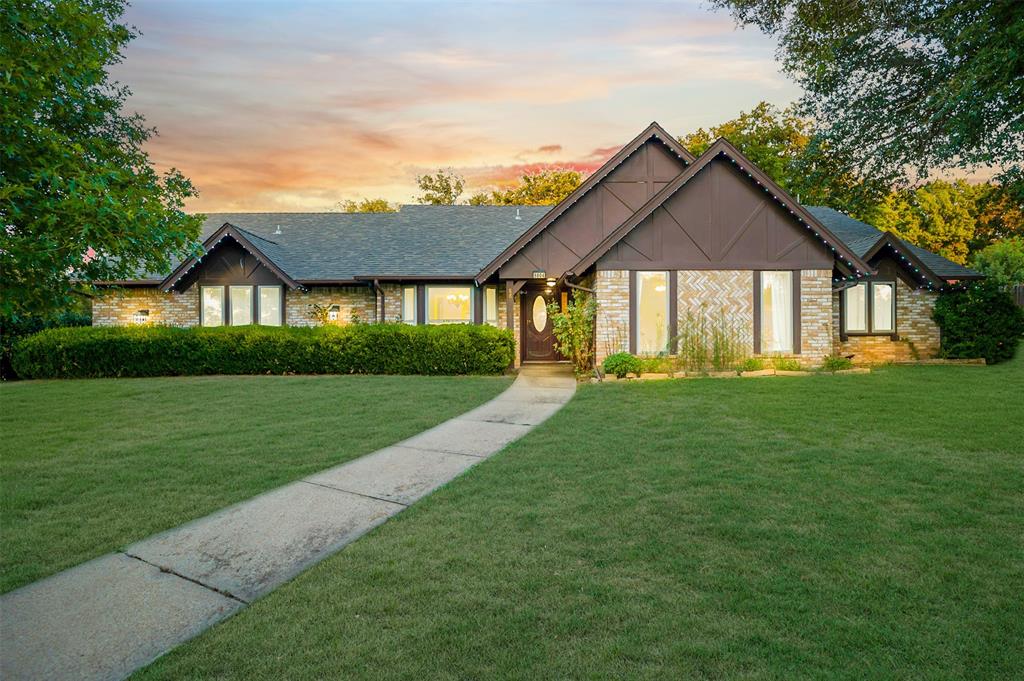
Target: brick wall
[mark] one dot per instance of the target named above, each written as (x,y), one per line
(353,300)
(117,307)
(718,292)
(918,333)
(612,325)
(815,315)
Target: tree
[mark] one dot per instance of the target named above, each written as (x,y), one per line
(367,206)
(443,188)
(541,188)
(79,200)
(1002,262)
(979,320)
(1000,216)
(788,148)
(906,83)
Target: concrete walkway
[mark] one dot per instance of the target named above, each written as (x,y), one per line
(110,616)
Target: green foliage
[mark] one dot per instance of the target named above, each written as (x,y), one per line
(836,363)
(443,188)
(787,147)
(367,206)
(542,188)
(751,364)
(980,320)
(785,364)
(621,363)
(79,199)
(906,83)
(13,329)
(574,330)
(357,349)
(1002,262)
(717,342)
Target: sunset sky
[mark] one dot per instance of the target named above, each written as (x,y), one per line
(296,105)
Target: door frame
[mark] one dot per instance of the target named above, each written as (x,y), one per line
(527,293)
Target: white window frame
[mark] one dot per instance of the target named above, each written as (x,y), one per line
(202,305)
(259,305)
(491,306)
(231,303)
(790,323)
(668,311)
(428,290)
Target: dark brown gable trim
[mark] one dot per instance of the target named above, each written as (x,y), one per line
(846,260)
(653,130)
(227,230)
(907,260)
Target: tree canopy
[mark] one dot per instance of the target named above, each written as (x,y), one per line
(367,206)
(542,188)
(443,188)
(1002,262)
(79,200)
(925,85)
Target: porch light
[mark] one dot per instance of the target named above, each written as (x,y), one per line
(141,317)
(333,312)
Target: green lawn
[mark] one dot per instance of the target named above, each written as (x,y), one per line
(866,527)
(89,466)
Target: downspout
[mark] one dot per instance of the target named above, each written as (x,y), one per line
(378,301)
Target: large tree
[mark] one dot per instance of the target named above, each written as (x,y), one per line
(788,148)
(906,83)
(79,199)
(541,188)
(443,188)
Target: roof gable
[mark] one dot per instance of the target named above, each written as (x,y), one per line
(257,246)
(654,154)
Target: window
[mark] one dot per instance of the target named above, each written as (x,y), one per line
(652,309)
(776,312)
(270,305)
(409,304)
(491,305)
(873,302)
(241,305)
(449,304)
(213,305)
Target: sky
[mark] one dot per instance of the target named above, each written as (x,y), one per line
(295,106)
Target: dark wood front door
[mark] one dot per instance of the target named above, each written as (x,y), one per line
(538,335)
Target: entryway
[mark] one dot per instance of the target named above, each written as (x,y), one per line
(538,337)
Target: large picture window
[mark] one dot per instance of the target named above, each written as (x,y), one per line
(270,305)
(213,305)
(449,304)
(777,312)
(409,304)
(870,308)
(652,310)
(241,305)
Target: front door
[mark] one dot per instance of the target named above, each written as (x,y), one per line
(538,331)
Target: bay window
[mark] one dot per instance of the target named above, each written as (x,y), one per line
(212,311)
(870,308)
(777,312)
(449,304)
(409,304)
(270,305)
(652,312)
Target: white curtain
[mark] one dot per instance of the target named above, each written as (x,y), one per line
(776,312)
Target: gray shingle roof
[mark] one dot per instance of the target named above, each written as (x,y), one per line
(421,241)
(860,237)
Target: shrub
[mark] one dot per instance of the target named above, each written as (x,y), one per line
(979,321)
(836,363)
(357,349)
(786,364)
(621,363)
(574,330)
(751,364)
(657,365)
(11,330)
(717,342)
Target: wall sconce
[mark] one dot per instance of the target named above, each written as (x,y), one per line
(141,317)
(333,313)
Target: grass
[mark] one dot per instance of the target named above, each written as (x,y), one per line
(90,466)
(862,526)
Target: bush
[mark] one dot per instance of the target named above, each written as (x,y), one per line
(836,363)
(574,330)
(786,364)
(751,364)
(979,321)
(357,349)
(11,330)
(620,364)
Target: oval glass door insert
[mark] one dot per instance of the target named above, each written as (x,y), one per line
(540,313)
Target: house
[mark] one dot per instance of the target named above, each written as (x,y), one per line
(661,238)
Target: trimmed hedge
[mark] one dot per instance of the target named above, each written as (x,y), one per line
(980,320)
(94,352)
